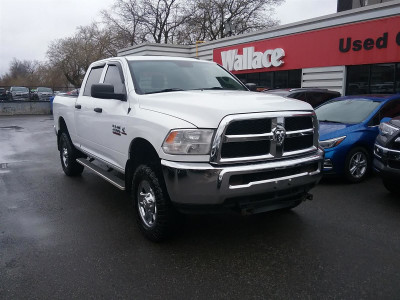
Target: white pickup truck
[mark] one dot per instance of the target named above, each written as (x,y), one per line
(184,135)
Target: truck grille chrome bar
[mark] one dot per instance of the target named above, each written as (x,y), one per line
(264,136)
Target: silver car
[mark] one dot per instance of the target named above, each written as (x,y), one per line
(19,93)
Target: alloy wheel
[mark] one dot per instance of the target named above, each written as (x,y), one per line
(358,165)
(147,203)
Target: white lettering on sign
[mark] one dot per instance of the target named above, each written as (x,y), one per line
(231,60)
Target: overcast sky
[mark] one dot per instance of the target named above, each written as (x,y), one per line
(28,26)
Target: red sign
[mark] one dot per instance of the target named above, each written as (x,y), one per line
(369,42)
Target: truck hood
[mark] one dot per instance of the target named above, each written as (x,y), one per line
(205,109)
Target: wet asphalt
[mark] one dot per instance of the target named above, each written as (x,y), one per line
(63,238)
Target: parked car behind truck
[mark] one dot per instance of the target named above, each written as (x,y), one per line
(19,93)
(314,96)
(348,129)
(3,94)
(183,135)
(43,94)
(387,154)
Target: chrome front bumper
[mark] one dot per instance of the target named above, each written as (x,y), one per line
(203,184)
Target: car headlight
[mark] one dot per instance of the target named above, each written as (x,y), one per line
(188,141)
(387,129)
(332,142)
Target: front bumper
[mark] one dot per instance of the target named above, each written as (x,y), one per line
(204,184)
(387,161)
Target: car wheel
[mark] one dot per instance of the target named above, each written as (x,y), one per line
(68,156)
(392,186)
(357,165)
(155,215)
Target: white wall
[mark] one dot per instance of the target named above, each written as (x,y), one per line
(333,78)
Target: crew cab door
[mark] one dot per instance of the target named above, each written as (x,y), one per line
(109,123)
(84,114)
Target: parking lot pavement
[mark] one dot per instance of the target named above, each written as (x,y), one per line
(63,238)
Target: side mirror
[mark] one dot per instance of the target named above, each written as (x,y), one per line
(105,91)
(251,86)
(385,120)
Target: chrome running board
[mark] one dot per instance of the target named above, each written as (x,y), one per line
(114,180)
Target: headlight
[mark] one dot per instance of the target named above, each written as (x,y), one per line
(332,142)
(188,141)
(387,129)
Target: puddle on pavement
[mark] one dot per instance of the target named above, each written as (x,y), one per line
(12,127)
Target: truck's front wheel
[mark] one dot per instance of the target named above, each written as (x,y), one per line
(68,156)
(156,216)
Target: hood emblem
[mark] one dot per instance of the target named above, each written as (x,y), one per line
(279,134)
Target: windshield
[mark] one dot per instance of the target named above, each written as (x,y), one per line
(44,90)
(346,111)
(180,75)
(20,89)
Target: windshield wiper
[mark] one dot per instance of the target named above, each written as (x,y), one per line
(166,90)
(211,88)
(330,121)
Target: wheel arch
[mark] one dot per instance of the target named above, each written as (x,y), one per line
(141,151)
(364,145)
(62,127)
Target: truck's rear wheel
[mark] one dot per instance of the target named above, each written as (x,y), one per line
(68,156)
(155,214)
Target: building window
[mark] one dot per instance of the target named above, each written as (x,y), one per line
(373,79)
(357,80)
(276,79)
(266,80)
(294,78)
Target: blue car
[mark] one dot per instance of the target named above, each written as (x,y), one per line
(348,129)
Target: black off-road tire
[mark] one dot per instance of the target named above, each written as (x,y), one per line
(68,156)
(351,160)
(162,221)
(391,185)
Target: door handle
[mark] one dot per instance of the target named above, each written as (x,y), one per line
(78,106)
(98,109)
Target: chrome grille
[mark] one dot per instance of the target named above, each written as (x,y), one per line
(255,137)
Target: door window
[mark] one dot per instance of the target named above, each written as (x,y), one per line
(94,77)
(113,76)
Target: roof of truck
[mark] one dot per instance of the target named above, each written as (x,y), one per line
(148,57)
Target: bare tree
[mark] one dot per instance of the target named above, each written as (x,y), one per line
(184,21)
(73,55)
(21,72)
(126,21)
(33,74)
(163,18)
(210,17)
